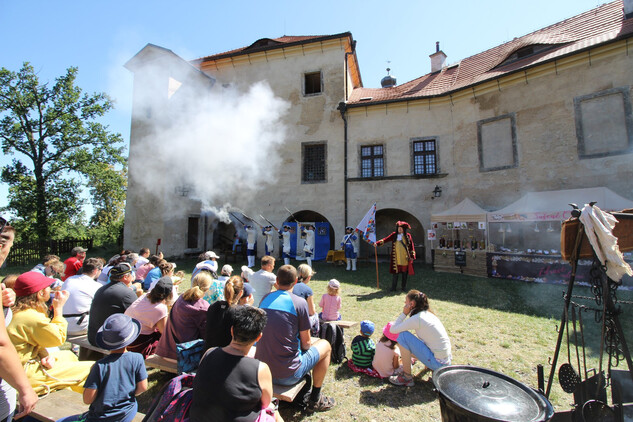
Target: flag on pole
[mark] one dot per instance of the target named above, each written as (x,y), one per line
(367,225)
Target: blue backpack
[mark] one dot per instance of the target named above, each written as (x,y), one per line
(173,402)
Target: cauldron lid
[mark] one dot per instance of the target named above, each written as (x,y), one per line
(491,394)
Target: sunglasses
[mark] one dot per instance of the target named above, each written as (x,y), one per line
(3,223)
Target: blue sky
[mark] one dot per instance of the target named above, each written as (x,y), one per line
(100,36)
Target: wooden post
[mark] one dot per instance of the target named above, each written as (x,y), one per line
(376,257)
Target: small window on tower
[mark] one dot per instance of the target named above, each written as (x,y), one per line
(312,83)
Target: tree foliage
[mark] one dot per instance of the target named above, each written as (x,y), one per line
(58,149)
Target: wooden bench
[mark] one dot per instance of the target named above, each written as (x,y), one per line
(62,403)
(282,392)
(345,324)
(82,341)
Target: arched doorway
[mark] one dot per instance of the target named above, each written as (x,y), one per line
(315,217)
(385,224)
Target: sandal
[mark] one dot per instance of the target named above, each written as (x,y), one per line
(324,404)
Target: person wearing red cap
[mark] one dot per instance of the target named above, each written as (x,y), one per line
(402,254)
(13,377)
(32,332)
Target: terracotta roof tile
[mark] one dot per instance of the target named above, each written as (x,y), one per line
(602,24)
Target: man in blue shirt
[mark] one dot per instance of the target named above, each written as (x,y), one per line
(286,344)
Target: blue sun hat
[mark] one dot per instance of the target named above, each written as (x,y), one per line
(118,331)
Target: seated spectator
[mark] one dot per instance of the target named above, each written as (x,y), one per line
(208,261)
(387,358)
(143,258)
(187,319)
(290,360)
(246,273)
(225,273)
(229,386)
(103,277)
(216,291)
(152,312)
(331,302)
(142,271)
(74,263)
(116,380)
(363,347)
(302,289)
(264,279)
(219,320)
(81,289)
(429,341)
(32,332)
(113,298)
(51,266)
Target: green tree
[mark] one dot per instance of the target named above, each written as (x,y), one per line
(58,148)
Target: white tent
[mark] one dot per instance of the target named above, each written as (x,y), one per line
(554,205)
(466,211)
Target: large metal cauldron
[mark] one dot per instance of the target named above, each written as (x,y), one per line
(472,394)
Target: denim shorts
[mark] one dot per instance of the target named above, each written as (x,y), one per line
(309,359)
(420,350)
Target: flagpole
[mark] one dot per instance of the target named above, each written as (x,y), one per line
(376,256)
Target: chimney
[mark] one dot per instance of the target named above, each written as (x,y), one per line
(439,58)
(628,9)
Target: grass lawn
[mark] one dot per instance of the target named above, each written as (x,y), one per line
(504,325)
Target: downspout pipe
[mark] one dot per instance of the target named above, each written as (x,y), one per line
(342,107)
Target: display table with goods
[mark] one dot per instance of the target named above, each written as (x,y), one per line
(458,239)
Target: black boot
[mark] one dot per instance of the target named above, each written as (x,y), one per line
(404,281)
(394,282)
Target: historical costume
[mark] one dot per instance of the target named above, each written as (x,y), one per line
(308,247)
(350,246)
(269,235)
(402,253)
(251,242)
(285,238)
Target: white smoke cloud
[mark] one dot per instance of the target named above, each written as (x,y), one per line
(216,144)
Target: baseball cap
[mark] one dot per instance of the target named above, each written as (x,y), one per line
(367,327)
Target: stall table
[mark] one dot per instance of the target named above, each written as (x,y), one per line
(474,261)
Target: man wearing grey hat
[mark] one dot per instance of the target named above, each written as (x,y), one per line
(113,298)
(74,263)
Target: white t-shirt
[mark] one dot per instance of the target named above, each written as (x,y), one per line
(263,282)
(82,290)
(140,262)
(429,329)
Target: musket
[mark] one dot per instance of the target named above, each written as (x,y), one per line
(269,222)
(237,218)
(292,215)
(260,226)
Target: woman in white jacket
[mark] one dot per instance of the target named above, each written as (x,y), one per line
(422,335)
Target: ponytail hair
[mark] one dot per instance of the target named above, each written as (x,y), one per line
(199,285)
(233,289)
(421,302)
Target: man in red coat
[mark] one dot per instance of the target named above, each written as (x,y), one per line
(402,254)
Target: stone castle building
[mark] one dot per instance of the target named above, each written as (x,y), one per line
(550,110)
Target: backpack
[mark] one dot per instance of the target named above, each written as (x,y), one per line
(173,402)
(333,333)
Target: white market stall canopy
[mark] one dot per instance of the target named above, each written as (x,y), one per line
(554,205)
(465,211)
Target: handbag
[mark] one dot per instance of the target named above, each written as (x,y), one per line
(189,355)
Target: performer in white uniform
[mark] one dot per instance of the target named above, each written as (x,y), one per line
(308,247)
(251,239)
(285,236)
(269,236)
(350,246)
